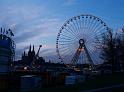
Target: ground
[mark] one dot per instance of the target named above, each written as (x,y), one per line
(97,82)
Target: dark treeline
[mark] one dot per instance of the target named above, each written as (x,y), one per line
(112,45)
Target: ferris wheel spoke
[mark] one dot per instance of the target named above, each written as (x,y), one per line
(97,33)
(95,57)
(84,25)
(69,55)
(85,21)
(75,26)
(75,30)
(67,47)
(70,46)
(66,39)
(64,47)
(81,23)
(101,28)
(70,43)
(64,42)
(66,36)
(72,32)
(88,24)
(90,52)
(66,54)
(71,27)
(91,23)
(78,27)
(97,27)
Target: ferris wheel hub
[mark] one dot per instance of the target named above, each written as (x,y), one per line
(81,42)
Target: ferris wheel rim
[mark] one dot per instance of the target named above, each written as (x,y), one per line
(70,20)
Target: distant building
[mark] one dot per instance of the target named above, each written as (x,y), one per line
(28,58)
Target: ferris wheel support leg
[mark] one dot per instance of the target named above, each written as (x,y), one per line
(89,58)
(76,56)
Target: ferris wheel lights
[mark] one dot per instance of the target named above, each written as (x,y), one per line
(78,17)
(25,68)
(74,18)
(65,24)
(90,69)
(107,28)
(81,50)
(60,31)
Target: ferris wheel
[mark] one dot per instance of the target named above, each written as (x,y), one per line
(76,40)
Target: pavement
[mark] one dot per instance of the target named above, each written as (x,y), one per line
(113,88)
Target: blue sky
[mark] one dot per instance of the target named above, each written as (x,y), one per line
(38,21)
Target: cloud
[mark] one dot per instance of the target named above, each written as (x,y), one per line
(30,26)
(39,33)
(44,33)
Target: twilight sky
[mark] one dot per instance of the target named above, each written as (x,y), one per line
(38,21)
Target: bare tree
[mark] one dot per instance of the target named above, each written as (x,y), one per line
(120,48)
(109,50)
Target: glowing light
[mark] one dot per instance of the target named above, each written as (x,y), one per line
(76,69)
(81,49)
(25,68)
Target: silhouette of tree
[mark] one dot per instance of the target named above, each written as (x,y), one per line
(120,48)
(112,46)
(108,53)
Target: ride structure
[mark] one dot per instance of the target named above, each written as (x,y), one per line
(77,41)
(36,57)
(7,49)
